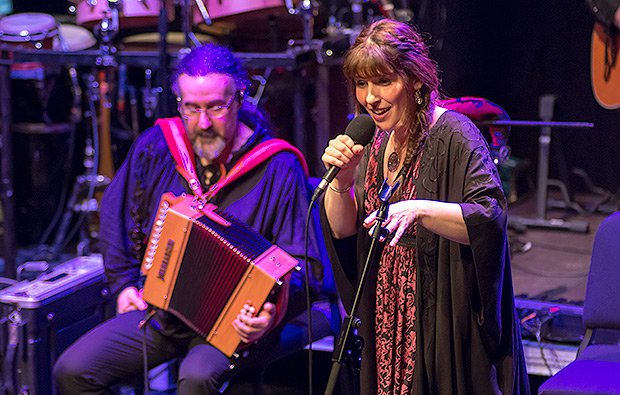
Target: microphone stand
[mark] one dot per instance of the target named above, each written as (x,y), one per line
(350,344)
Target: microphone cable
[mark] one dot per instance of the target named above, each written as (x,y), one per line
(308,303)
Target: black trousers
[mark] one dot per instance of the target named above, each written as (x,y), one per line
(113,352)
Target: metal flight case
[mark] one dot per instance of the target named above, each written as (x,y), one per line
(41,317)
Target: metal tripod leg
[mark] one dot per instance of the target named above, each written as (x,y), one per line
(545,110)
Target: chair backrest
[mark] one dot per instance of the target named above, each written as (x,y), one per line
(602,301)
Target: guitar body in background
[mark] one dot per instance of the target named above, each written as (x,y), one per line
(605,74)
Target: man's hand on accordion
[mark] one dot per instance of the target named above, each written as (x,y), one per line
(250,328)
(130,299)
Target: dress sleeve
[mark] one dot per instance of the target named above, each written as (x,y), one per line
(486,260)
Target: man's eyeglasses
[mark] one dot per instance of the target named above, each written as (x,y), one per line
(215,111)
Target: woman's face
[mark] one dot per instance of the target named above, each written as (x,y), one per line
(384,98)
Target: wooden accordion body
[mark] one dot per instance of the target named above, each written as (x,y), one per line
(203,265)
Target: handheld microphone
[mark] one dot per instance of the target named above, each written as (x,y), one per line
(361,130)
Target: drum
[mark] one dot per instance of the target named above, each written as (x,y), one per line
(132,13)
(222,10)
(73,38)
(29,30)
(150,41)
(38,94)
(251,26)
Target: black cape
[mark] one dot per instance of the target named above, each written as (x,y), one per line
(468,335)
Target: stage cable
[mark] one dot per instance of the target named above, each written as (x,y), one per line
(308,302)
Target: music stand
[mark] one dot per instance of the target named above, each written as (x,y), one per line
(545,111)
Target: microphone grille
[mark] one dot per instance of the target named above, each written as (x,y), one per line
(361,129)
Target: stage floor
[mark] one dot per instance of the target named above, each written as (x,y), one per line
(556,266)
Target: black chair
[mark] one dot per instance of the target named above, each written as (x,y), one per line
(596,370)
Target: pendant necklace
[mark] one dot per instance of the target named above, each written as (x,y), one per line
(393,162)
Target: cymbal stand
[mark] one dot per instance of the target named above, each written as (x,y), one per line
(98,155)
(150,94)
(7,198)
(262,83)
(306,10)
(186,23)
(88,182)
(107,29)
(201,8)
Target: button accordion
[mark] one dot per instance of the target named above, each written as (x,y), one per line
(203,265)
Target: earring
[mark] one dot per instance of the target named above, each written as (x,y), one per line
(418,97)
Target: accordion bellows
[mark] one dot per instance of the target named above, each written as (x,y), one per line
(203,265)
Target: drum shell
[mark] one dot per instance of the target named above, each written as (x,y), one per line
(73,38)
(250,26)
(149,42)
(132,13)
(238,10)
(28,30)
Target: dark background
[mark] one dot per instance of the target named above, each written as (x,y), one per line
(510,53)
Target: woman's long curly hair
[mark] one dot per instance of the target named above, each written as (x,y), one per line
(388,47)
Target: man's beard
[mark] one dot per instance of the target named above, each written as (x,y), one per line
(209,149)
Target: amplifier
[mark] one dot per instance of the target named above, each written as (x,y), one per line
(43,316)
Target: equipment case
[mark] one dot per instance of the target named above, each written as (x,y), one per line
(42,317)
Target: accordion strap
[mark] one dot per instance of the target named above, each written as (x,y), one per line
(180,147)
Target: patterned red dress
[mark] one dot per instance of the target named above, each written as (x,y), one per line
(396,286)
